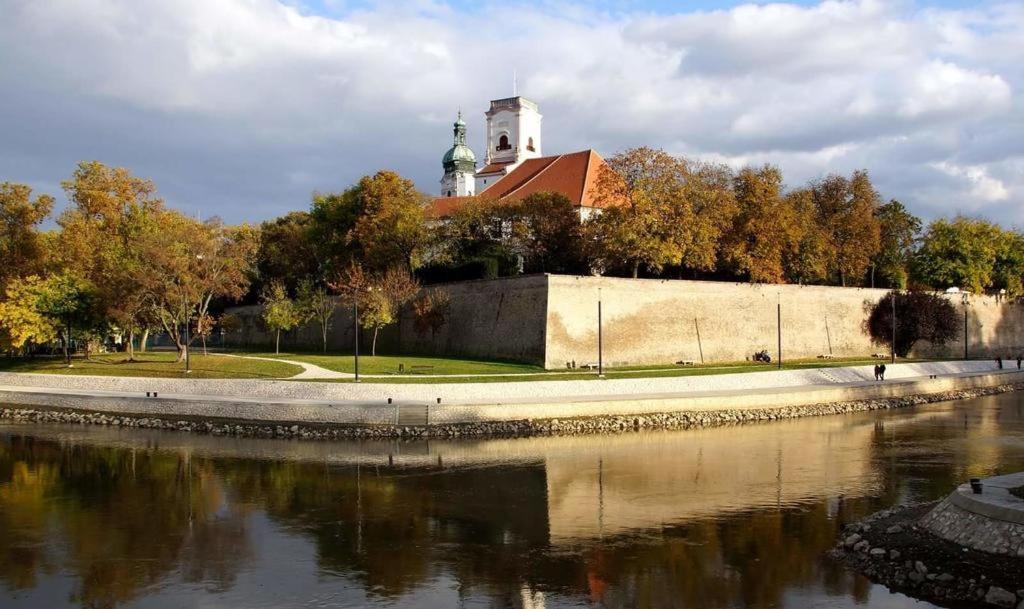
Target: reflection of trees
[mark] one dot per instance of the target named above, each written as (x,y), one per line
(123,517)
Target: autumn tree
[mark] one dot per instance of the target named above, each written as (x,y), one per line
(380,297)
(809,256)
(71,302)
(761,235)
(23,320)
(431,310)
(898,233)
(112,213)
(190,263)
(847,211)
(640,191)
(390,229)
(919,316)
(477,236)
(279,311)
(315,303)
(22,248)
(710,207)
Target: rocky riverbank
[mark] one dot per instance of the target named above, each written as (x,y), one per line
(513,428)
(890,548)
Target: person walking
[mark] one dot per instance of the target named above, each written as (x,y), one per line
(999,362)
(881,372)
(876,371)
(1018,361)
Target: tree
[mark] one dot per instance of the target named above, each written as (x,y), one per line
(279,311)
(430,311)
(71,301)
(316,303)
(547,232)
(761,234)
(380,297)
(22,248)
(391,228)
(288,251)
(101,240)
(707,193)
(809,257)
(644,208)
(898,232)
(229,323)
(847,211)
(960,252)
(919,316)
(23,321)
(1008,267)
(189,264)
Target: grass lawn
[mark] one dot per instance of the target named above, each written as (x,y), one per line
(414,364)
(153,364)
(507,372)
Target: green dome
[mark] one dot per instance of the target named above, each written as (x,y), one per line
(459,157)
(459,152)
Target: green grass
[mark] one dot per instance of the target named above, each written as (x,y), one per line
(537,374)
(388,364)
(153,364)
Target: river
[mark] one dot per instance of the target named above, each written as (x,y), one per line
(726,517)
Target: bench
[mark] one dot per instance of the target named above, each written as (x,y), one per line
(686,362)
(826,356)
(591,366)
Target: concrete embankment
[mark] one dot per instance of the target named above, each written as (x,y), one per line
(234,406)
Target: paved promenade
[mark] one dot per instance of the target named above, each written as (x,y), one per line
(371,404)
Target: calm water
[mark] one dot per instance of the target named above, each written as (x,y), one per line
(736,517)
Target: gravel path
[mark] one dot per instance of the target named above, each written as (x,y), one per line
(309,371)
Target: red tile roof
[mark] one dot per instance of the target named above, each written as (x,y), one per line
(574,175)
(493,168)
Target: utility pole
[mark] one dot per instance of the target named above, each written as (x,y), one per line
(188,369)
(778,325)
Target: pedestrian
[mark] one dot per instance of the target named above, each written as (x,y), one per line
(1018,361)
(881,372)
(876,371)
(999,362)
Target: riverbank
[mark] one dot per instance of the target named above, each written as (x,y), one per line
(317,410)
(895,548)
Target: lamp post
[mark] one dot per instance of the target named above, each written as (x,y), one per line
(893,350)
(964,300)
(600,341)
(778,327)
(188,369)
(355,333)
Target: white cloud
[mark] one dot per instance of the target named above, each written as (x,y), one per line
(244,106)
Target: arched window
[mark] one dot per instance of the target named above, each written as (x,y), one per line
(529,145)
(503,143)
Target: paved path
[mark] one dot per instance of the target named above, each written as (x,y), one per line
(309,371)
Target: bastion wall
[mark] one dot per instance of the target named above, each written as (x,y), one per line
(552,320)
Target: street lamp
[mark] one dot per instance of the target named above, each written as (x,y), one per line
(600,345)
(355,318)
(893,354)
(965,300)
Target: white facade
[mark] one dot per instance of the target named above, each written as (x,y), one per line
(512,136)
(458,184)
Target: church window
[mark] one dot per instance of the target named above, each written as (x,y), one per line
(503,143)
(529,145)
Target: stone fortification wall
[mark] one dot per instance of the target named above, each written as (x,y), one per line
(649,321)
(552,319)
(498,318)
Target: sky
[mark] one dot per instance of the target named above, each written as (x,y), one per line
(243,108)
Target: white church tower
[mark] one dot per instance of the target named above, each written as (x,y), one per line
(459,165)
(513,136)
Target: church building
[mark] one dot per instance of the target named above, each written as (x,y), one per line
(514,166)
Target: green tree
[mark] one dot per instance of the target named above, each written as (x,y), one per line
(316,303)
(960,252)
(288,250)
(547,232)
(279,311)
(847,211)
(708,209)
(22,248)
(808,260)
(919,316)
(898,230)
(1008,267)
(71,301)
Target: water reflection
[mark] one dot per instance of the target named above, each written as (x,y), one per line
(96,517)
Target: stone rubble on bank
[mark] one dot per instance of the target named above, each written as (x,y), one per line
(515,428)
(928,567)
